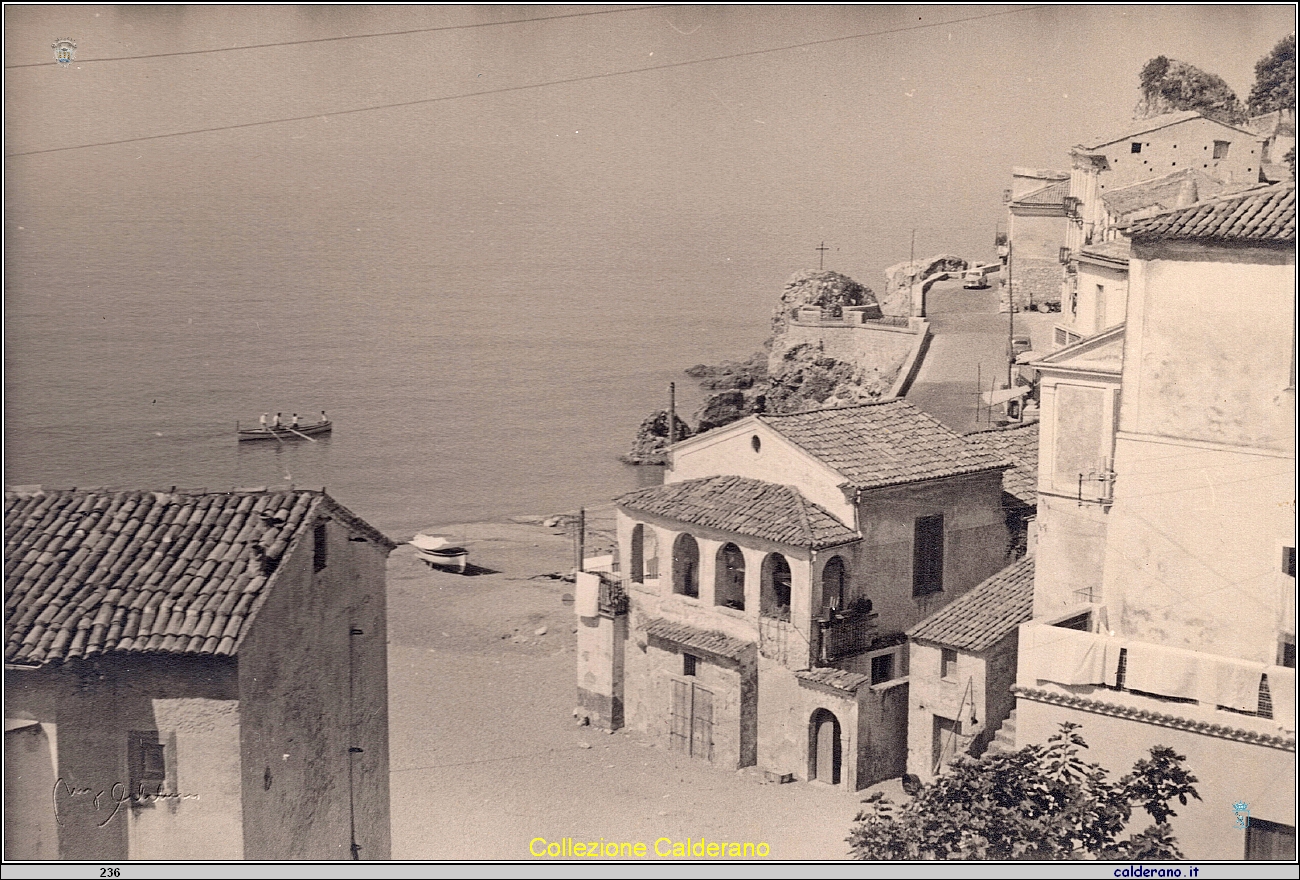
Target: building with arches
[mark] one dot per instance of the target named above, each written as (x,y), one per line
(771,579)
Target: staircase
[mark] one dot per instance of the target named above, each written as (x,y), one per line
(1005,739)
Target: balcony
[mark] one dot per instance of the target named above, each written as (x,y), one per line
(612,598)
(846,633)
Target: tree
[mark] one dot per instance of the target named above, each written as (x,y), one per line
(1275,76)
(1042,802)
(1169,84)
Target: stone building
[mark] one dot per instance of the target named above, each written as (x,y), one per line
(194,677)
(1036,230)
(963,667)
(769,583)
(1164,594)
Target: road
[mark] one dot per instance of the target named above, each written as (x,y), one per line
(968,342)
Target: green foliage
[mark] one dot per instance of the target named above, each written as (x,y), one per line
(1275,77)
(1042,802)
(1169,85)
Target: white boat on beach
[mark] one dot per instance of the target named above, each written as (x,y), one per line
(436,551)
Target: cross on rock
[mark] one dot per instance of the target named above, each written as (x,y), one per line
(821,255)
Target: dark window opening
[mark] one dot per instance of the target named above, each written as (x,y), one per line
(688,664)
(147,762)
(320,555)
(774,600)
(1288,561)
(756,443)
(1221,149)
(729,579)
(948,663)
(1269,841)
(927,555)
(882,668)
(1135,147)
(686,567)
(834,579)
(1286,653)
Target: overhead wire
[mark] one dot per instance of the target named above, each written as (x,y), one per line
(526,86)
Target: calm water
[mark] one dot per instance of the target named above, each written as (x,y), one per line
(486,294)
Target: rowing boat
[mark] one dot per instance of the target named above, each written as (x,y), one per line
(437,552)
(284,432)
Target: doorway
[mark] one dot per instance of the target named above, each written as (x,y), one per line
(824,752)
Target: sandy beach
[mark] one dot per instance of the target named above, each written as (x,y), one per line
(486,754)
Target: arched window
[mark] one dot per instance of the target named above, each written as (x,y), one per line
(834,581)
(729,581)
(645,554)
(686,566)
(774,600)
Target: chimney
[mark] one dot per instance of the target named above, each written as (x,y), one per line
(1187,195)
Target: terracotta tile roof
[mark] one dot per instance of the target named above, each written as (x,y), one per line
(884,444)
(979,619)
(94,571)
(1020,444)
(1162,193)
(1051,195)
(1142,126)
(703,640)
(839,679)
(1118,249)
(745,507)
(1265,216)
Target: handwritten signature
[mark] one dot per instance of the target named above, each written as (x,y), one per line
(112,798)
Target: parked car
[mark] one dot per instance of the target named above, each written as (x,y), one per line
(974,282)
(1020,342)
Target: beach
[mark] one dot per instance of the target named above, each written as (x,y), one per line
(486,755)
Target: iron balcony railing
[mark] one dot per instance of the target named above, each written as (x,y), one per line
(612,598)
(847,633)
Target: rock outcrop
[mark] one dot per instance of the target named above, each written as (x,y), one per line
(827,290)
(900,279)
(652,439)
(731,375)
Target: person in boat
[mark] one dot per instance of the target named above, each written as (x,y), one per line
(295,421)
(275,424)
(264,418)
(323,420)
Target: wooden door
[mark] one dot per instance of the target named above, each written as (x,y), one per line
(691,721)
(828,752)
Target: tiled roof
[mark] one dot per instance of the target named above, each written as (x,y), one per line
(839,679)
(90,571)
(745,507)
(1051,195)
(1020,444)
(703,640)
(884,444)
(1162,193)
(1262,215)
(979,619)
(1118,249)
(1142,126)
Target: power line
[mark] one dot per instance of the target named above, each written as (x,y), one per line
(450,27)
(528,87)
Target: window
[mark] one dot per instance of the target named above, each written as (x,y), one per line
(948,663)
(146,762)
(834,578)
(688,664)
(1221,149)
(882,668)
(1288,561)
(1269,841)
(1286,652)
(774,600)
(320,555)
(755,443)
(927,555)
(686,566)
(645,554)
(729,578)
(1135,147)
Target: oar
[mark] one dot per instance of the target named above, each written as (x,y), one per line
(301,434)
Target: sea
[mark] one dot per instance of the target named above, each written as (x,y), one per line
(483,257)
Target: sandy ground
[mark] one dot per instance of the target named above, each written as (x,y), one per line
(486,754)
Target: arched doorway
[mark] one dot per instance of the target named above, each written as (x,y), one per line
(645,554)
(686,566)
(824,751)
(834,581)
(729,580)
(774,597)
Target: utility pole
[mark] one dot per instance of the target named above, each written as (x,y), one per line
(911,274)
(1011,316)
(672,413)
